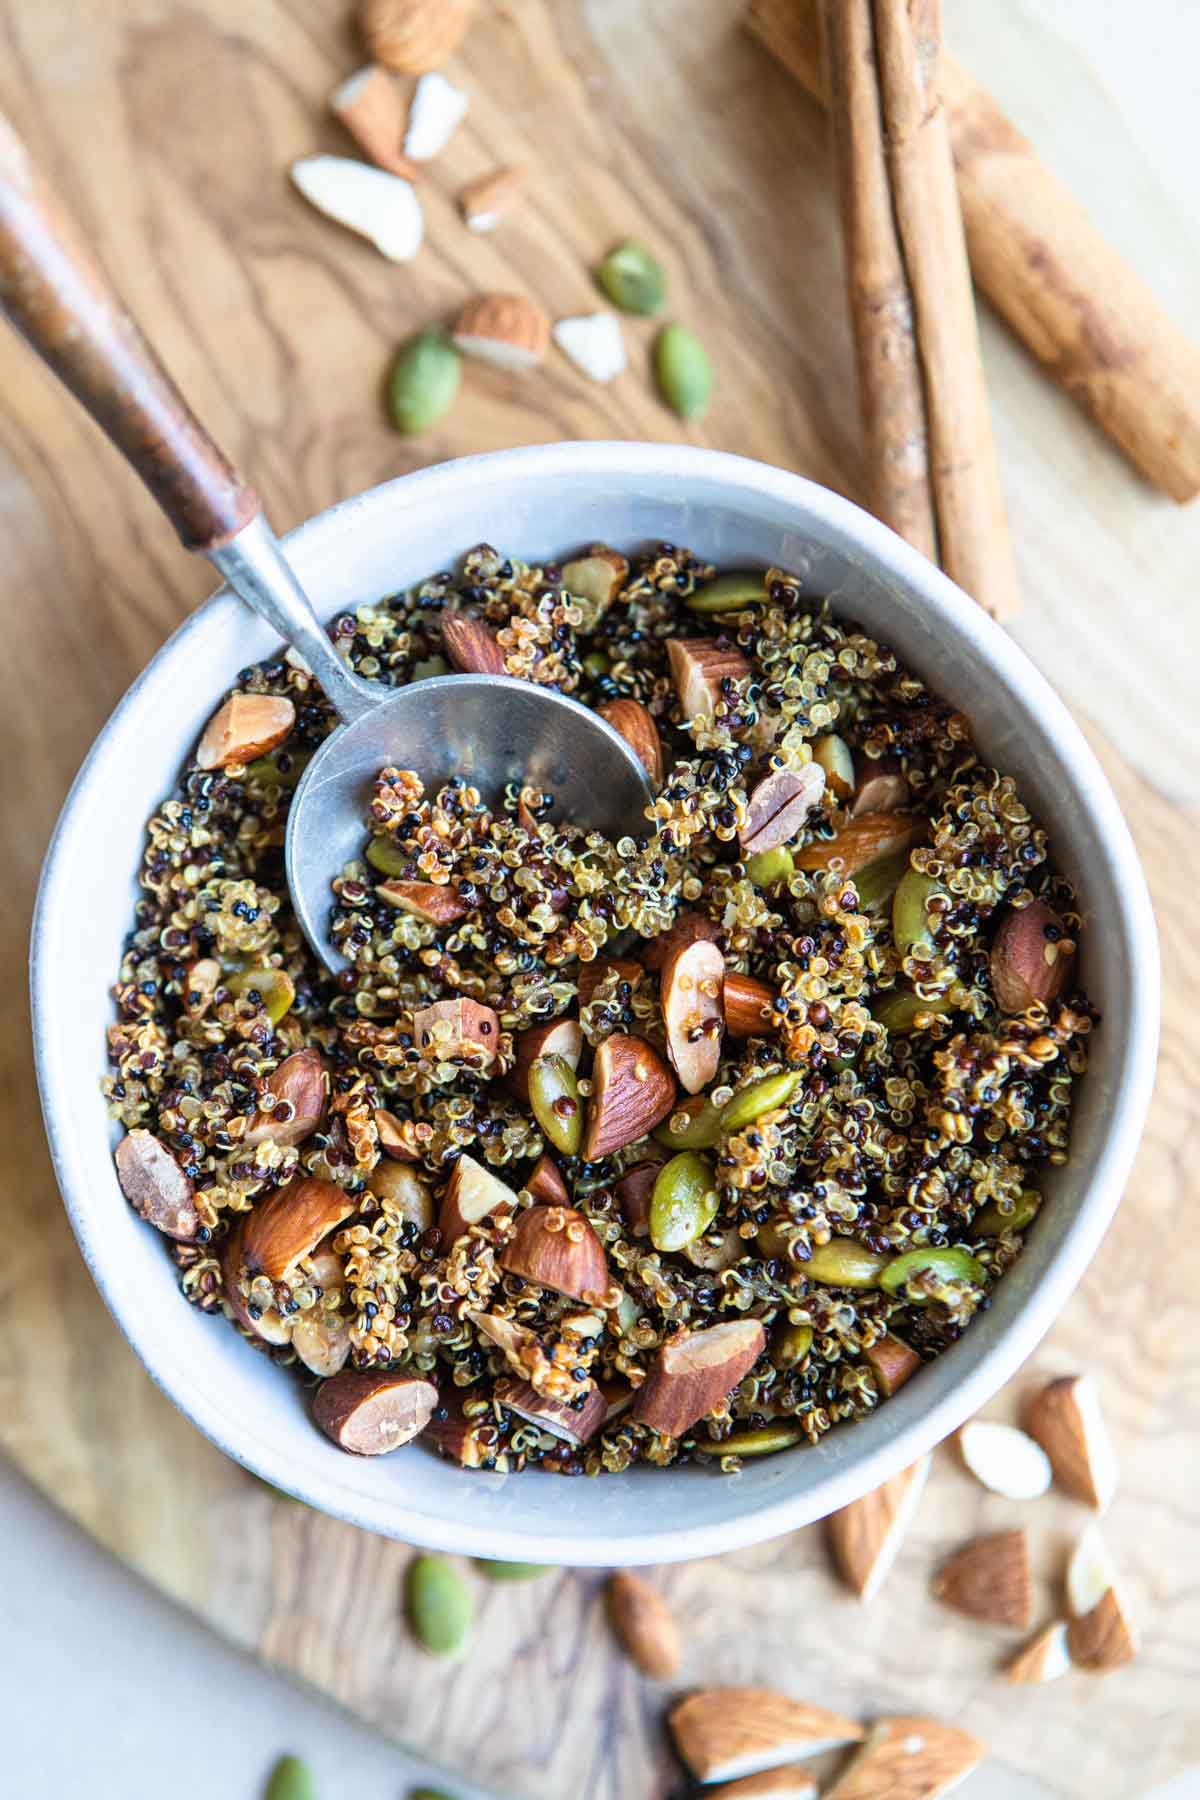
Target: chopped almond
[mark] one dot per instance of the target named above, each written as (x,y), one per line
(865,1536)
(1044,1658)
(633,1192)
(909,1759)
(882,787)
(749,1006)
(695,1372)
(990,1579)
(633,1090)
(630,719)
(458,1031)
(693,980)
(687,928)
(862,841)
(546,1184)
(699,669)
(1066,1420)
(155,1185)
(245,727)
(591,974)
(723,1734)
(1005,1459)
(299,1084)
(509,331)
(560,1037)
(556,1247)
(484,201)
(290,1223)
(779,807)
(373,1411)
(893,1363)
(575,1425)
(435,902)
(470,646)
(1099,1636)
(473,1193)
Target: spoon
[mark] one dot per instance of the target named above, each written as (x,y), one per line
(490,729)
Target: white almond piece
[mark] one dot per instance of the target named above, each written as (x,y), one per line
(594,344)
(438,109)
(1044,1658)
(379,206)
(1090,1573)
(1005,1459)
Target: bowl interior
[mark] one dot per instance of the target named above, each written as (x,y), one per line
(538,504)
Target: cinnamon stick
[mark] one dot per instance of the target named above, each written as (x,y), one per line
(890,391)
(1078,306)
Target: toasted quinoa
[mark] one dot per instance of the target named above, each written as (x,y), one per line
(920,1117)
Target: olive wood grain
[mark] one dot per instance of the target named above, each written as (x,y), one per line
(55,293)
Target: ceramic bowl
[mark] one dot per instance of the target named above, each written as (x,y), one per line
(542,503)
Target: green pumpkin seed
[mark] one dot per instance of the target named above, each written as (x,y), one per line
(266,769)
(953,1264)
(832,754)
(439,1605)
(759,1098)
(423,382)
(900,1011)
(910,912)
(684,1202)
(761,1441)
(291,1779)
(596,664)
(702,1131)
(844,1262)
(729,593)
(877,881)
(770,867)
(790,1345)
(556,1103)
(991,1221)
(684,371)
(512,1571)
(633,279)
(273,986)
(387,857)
(429,1794)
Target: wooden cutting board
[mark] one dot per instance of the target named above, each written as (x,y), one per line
(171,127)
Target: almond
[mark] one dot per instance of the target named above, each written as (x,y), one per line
(595,343)
(373,110)
(509,331)
(723,1734)
(372,1411)
(457,1031)
(435,112)
(299,1083)
(200,984)
(882,787)
(574,1425)
(414,35)
(556,1247)
(989,1579)
(630,720)
(862,841)
(379,206)
(435,902)
(779,806)
(473,1193)
(909,1759)
(633,1090)
(393,1137)
(469,645)
(546,1184)
(457,1437)
(290,1223)
(749,1006)
(644,1624)
(560,1037)
(687,928)
(1005,1460)
(1044,1658)
(484,201)
(1031,960)
(1099,1636)
(595,580)
(267,1323)
(155,1185)
(695,1372)
(321,1338)
(407,1195)
(512,1340)
(246,726)
(791,1781)
(633,1193)
(693,980)
(591,974)
(1066,1420)
(893,1362)
(699,667)
(865,1536)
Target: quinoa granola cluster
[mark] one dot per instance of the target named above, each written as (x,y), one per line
(681,1147)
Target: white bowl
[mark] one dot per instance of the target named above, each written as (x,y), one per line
(542,503)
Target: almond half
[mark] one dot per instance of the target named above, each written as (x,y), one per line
(155,1185)
(633,1090)
(246,726)
(699,669)
(862,841)
(406,1193)
(556,1247)
(779,806)
(693,980)
(1066,1420)
(470,646)
(644,1624)
(749,1005)
(865,1536)
(591,974)
(269,1324)
(633,1193)
(909,1759)
(372,1411)
(882,787)
(989,1579)
(509,331)
(290,1223)
(1005,1460)
(472,1193)
(575,1425)
(1043,1658)
(1099,1636)
(723,1734)
(695,1372)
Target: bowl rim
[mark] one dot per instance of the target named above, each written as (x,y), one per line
(853,1475)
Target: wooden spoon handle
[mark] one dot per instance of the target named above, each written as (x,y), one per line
(57,295)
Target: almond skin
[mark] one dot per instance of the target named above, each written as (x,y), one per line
(290,1223)
(862,840)
(246,726)
(301,1081)
(591,974)
(687,928)
(693,980)
(484,201)
(989,1579)
(698,668)
(633,1191)
(865,1537)
(779,807)
(633,1090)
(546,1184)
(414,36)
(469,645)
(473,1193)
(473,1036)
(269,1325)
(1027,966)
(432,901)
(556,1247)
(893,1362)
(909,1759)
(1103,1638)
(508,329)
(725,1733)
(1066,1420)
(644,1625)
(555,1416)
(372,1411)
(372,108)
(694,1372)
(561,1037)
(748,1006)
(156,1187)
(636,725)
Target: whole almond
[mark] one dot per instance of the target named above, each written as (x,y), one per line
(155,1185)
(1031,959)
(246,726)
(633,1090)
(636,725)
(644,1624)
(469,645)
